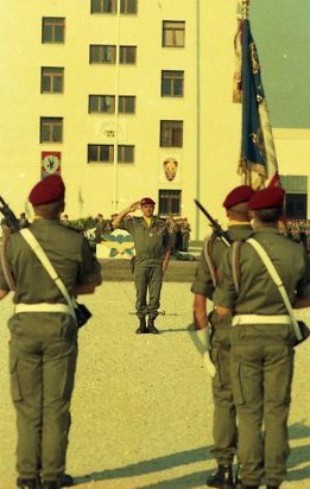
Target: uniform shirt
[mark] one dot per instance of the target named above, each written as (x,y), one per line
(258,293)
(203,283)
(151,242)
(68,252)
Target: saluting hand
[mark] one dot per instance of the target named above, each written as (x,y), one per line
(134,206)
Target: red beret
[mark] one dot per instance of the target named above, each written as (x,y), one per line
(238,195)
(267,198)
(147,200)
(48,190)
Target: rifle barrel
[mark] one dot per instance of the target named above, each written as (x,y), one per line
(205,212)
(217,229)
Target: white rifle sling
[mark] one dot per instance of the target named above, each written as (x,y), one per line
(277,280)
(41,255)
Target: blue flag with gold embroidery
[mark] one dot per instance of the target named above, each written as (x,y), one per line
(252,149)
(258,162)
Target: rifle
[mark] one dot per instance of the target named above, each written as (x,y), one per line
(216,227)
(11,220)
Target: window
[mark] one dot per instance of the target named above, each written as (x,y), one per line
(127,54)
(296,206)
(102,54)
(52,80)
(126,104)
(125,154)
(101,104)
(51,129)
(296,195)
(103,6)
(171,134)
(129,6)
(172,83)
(53,30)
(170,202)
(173,34)
(100,153)
(104,153)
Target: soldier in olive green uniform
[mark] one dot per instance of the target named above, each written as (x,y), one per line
(224,417)
(152,245)
(43,346)
(262,339)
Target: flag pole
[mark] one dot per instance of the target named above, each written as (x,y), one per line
(245,6)
(245,10)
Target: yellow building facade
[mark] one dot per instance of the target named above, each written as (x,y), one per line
(126,98)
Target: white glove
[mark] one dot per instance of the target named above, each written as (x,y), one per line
(203,337)
(209,364)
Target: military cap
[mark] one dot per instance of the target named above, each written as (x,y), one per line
(147,200)
(50,189)
(238,195)
(267,198)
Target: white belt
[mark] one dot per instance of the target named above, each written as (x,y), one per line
(260,319)
(44,307)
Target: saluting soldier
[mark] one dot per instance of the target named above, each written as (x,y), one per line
(262,339)
(224,417)
(43,346)
(152,245)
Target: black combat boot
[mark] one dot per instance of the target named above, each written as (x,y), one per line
(222,478)
(142,326)
(151,328)
(27,483)
(66,480)
(51,485)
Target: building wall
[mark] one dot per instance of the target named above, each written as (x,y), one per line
(208,159)
(282,34)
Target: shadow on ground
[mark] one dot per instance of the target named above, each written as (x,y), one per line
(155,465)
(299,454)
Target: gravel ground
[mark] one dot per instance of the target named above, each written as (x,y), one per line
(142,407)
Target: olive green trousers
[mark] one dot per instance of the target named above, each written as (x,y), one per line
(148,280)
(261,372)
(224,416)
(42,377)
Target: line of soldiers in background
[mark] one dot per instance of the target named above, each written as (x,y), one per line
(299,230)
(179,228)
(296,229)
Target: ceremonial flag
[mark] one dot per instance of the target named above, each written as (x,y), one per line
(258,162)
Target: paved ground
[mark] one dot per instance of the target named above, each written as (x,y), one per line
(142,408)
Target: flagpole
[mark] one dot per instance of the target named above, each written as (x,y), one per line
(245,8)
